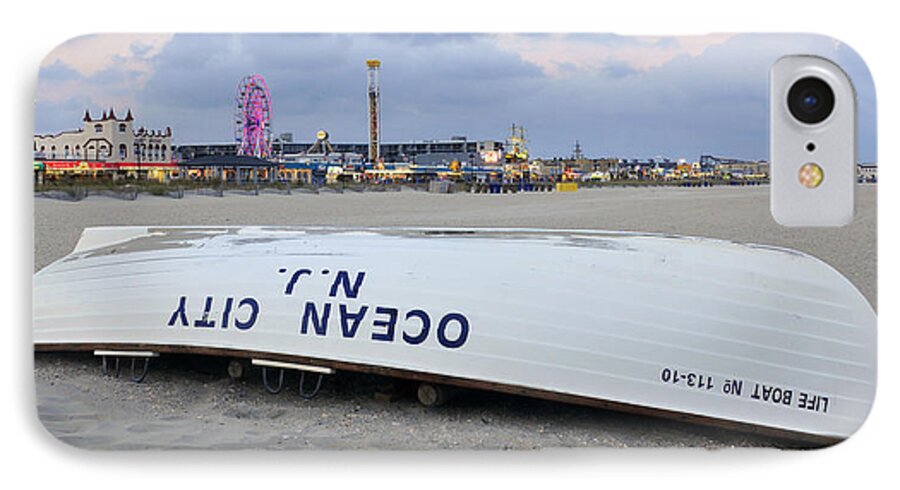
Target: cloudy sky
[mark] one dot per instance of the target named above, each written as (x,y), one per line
(676,97)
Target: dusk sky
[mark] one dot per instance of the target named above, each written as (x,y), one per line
(629,97)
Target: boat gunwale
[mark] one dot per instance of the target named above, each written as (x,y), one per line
(784,438)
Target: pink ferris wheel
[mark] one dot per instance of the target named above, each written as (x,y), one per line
(253,114)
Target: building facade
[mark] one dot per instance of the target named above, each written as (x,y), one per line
(424,152)
(106,139)
(867,172)
(743,169)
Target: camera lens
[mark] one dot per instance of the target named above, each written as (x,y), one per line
(810,100)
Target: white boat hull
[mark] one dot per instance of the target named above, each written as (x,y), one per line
(752,336)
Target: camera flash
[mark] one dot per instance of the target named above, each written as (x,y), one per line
(811,175)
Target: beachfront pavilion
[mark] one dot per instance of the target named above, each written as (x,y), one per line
(231,168)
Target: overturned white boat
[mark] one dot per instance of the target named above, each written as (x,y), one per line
(749,337)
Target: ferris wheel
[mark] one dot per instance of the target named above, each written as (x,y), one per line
(252,116)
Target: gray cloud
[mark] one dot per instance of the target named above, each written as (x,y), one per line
(435,86)
(58,71)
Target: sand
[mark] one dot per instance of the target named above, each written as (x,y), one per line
(186,404)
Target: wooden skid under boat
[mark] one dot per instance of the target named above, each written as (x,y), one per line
(745,336)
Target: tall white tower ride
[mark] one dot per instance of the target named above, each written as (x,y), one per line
(374,89)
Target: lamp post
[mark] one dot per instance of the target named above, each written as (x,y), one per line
(140,155)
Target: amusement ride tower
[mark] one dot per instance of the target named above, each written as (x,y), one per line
(374,90)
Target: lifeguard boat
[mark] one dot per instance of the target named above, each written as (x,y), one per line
(744,336)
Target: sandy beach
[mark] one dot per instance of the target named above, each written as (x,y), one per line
(189,404)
